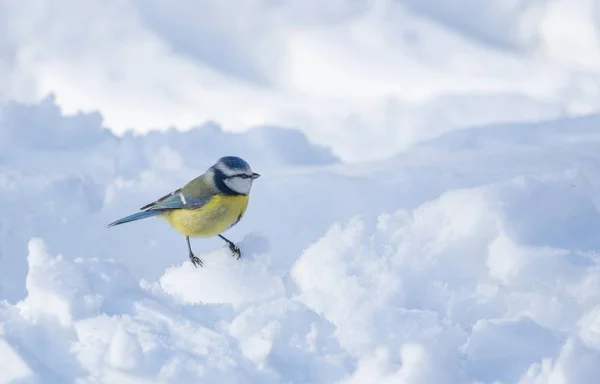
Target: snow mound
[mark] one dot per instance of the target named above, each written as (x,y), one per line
(477,293)
(251,280)
(453,290)
(87,320)
(57,138)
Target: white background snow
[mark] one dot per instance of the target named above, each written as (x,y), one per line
(427,211)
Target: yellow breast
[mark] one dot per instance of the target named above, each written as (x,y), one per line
(216,216)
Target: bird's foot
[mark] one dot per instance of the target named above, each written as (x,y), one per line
(196,260)
(235,250)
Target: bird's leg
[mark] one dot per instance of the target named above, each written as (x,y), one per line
(232,247)
(195,260)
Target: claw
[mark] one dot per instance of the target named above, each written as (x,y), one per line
(232,247)
(235,249)
(196,260)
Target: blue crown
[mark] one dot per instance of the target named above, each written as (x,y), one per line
(234,162)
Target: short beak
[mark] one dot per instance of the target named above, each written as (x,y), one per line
(255,176)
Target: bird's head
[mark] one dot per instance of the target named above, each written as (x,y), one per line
(233,176)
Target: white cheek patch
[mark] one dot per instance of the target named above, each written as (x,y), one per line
(239,184)
(226,170)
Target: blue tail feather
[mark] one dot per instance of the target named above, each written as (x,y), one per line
(135,216)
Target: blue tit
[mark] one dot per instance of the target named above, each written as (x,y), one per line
(206,206)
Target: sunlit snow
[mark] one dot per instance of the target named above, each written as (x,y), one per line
(427,211)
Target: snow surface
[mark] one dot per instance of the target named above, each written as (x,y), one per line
(427,211)
(364,77)
(471,258)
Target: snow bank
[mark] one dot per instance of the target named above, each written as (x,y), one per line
(87,319)
(362,77)
(450,291)
(251,280)
(457,278)
(472,258)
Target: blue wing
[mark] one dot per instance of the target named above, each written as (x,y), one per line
(177,200)
(174,200)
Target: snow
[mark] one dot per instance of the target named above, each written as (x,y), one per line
(469,258)
(427,210)
(18,367)
(330,70)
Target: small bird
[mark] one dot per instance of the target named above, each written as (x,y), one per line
(206,206)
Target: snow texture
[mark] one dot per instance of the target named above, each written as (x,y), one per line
(470,258)
(364,77)
(449,235)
